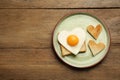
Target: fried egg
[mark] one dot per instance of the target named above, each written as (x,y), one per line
(72,40)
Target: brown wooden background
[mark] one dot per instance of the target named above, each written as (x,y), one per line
(25,39)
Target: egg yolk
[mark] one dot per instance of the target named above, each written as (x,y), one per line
(72,40)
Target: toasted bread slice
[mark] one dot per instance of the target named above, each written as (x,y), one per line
(95,48)
(83,48)
(65,52)
(94,31)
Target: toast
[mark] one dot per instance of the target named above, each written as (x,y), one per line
(95,48)
(95,32)
(65,52)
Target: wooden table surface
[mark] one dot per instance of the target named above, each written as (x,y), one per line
(26,28)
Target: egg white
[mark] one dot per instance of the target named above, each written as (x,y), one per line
(79,32)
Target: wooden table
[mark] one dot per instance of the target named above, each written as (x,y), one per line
(26,28)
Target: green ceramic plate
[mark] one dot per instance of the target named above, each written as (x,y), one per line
(82,60)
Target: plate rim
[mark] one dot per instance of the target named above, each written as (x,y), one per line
(89,14)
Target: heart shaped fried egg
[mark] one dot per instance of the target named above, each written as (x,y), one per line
(72,40)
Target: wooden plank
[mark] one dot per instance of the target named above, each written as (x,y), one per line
(59,3)
(27,57)
(42,64)
(21,28)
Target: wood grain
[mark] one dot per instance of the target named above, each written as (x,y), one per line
(26,28)
(59,3)
(29,64)
(33,28)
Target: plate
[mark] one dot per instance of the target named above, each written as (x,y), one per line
(81,60)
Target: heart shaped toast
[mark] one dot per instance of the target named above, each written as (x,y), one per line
(96,48)
(94,31)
